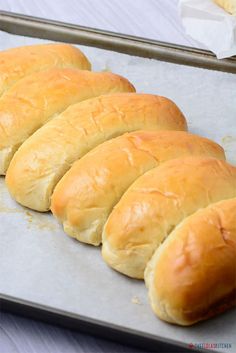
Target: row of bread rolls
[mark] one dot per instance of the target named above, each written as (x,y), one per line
(44,158)
(188,258)
(39,97)
(156,203)
(86,195)
(111,176)
(19,62)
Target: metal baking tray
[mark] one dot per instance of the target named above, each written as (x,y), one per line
(100,301)
(64,32)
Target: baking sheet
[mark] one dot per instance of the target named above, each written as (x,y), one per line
(39,263)
(49,29)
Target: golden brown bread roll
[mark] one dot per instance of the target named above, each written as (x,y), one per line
(192,275)
(18,62)
(39,97)
(85,196)
(156,202)
(45,157)
(227,5)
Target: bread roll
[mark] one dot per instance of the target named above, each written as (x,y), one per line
(192,275)
(39,97)
(45,157)
(154,205)
(227,5)
(85,196)
(18,62)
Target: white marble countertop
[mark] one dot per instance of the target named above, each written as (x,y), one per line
(155,19)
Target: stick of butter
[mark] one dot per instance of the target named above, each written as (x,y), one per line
(227,5)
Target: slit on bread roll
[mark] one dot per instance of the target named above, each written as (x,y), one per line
(192,275)
(45,157)
(18,62)
(154,205)
(227,5)
(85,196)
(39,97)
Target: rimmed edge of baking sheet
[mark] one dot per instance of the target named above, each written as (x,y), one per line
(64,32)
(94,327)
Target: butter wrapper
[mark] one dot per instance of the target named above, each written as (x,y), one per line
(210,25)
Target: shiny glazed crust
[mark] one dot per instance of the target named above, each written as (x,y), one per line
(85,196)
(18,62)
(45,157)
(156,203)
(192,275)
(39,97)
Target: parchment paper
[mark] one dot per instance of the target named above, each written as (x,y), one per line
(210,25)
(39,263)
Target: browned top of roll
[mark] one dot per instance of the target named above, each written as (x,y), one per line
(192,276)
(76,131)
(157,202)
(84,198)
(18,62)
(39,97)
